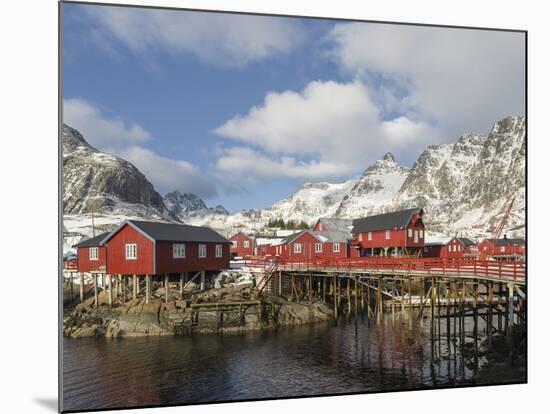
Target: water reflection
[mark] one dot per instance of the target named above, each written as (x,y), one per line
(352,355)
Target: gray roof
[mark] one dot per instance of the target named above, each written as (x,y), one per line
(174,232)
(466,241)
(336,224)
(510,242)
(290,238)
(385,221)
(92,241)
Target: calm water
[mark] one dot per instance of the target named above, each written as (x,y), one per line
(352,356)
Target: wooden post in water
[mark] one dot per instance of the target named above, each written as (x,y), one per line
(349,295)
(490,311)
(71,284)
(182,284)
(410,296)
(310,289)
(280,283)
(379,297)
(510,310)
(339,291)
(368,298)
(324,288)
(334,298)
(362,296)
(166,291)
(96,303)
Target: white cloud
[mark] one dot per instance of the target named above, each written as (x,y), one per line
(168,174)
(99,130)
(225,40)
(462,79)
(327,130)
(122,139)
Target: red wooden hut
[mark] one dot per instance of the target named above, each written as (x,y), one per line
(92,255)
(504,248)
(449,248)
(242,245)
(149,248)
(400,233)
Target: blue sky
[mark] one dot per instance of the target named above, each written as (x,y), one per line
(241,110)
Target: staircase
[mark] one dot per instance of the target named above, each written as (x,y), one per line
(268,275)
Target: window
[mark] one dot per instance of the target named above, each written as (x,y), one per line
(410,232)
(131,251)
(454,247)
(336,247)
(219,250)
(421,233)
(360,236)
(450,247)
(235,243)
(246,244)
(93,253)
(202,250)
(459,247)
(178,251)
(388,234)
(318,248)
(297,247)
(415,236)
(369,235)
(502,248)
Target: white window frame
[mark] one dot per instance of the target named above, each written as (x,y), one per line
(297,248)
(130,250)
(93,253)
(421,233)
(202,251)
(235,243)
(219,250)
(459,247)
(336,247)
(178,251)
(388,234)
(369,235)
(454,247)
(318,247)
(450,248)
(502,248)
(415,240)
(410,232)
(360,236)
(246,244)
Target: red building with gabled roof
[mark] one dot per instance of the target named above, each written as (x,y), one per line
(503,248)
(92,255)
(399,233)
(242,245)
(149,248)
(450,248)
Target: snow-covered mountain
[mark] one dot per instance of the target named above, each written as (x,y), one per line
(376,187)
(463,186)
(189,207)
(109,186)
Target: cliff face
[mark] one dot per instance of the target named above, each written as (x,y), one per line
(104,183)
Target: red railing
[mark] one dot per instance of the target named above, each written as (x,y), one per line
(462,267)
(70,265)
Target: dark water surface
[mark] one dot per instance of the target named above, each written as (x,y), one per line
(356,355)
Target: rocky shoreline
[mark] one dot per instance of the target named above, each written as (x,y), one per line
(221,310)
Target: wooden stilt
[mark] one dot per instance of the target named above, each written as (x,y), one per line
(135,287)
(110,289)
(510,310)
(203,280)
(81,286)
(280,283)
(125,288)
(182,284)
(166,287)
(324,288)
(96,302)
(349,295)
(379,297)
(339,291)
(71,284)
(335,300)
(147,288)
(362,296)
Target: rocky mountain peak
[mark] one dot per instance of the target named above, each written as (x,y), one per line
(511,125)
(189,206)
(93,180)
(388,156)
